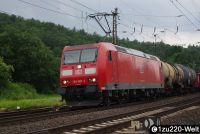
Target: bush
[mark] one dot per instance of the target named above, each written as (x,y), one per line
(5,73)
(18,91)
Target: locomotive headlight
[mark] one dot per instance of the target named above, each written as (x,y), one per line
(64,82)
(93,79)
(79,66)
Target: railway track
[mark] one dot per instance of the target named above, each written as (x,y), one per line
(37,114)
(42,113)
(115,122)
(29,111)
(23,116)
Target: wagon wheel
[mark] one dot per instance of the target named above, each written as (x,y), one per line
(106,98)
(107,101)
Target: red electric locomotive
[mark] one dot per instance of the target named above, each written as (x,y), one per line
(101,73)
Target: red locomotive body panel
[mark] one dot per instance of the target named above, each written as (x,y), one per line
(134,70)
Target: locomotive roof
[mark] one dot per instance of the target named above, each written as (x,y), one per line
(118,48)
(82,46)
(135,52)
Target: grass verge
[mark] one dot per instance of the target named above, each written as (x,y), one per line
(24,96)
(41,101)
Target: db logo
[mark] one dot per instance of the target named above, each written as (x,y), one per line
(78,72)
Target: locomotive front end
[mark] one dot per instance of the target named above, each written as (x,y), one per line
(79,76)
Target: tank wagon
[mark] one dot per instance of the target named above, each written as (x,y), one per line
(101,73)
(197,82)
(178,77)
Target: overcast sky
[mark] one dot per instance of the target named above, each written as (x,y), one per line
(161,16)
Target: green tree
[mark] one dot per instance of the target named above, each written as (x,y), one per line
(34,63)
(5,73)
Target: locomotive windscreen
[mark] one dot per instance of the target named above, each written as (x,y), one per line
(77,56)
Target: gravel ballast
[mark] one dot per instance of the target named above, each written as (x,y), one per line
(189,116)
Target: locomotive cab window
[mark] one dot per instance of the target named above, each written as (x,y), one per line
(89,55)
(77,56)
(71,56)
(109,55)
